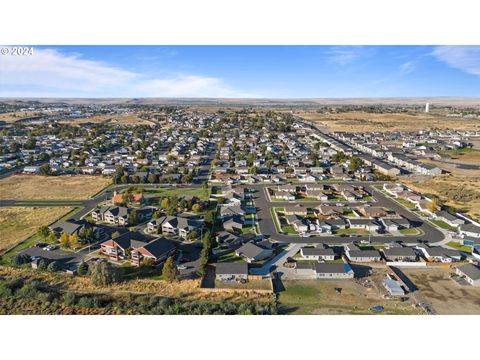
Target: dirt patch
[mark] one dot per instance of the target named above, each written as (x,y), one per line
(321,297)
(444,294)
(36,187)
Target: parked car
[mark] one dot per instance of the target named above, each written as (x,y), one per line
(50,247)
(182,267)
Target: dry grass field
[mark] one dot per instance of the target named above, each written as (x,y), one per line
(18,223)
(36,187)
(443,293)
(461,192)
(11,117)
(364,122)
(129,119)
(184,290)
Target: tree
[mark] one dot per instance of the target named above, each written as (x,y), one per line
(45,170)
(434,205)
(115,234)
(153,178)
(355,163)
(52,237)
(43,231)
(73,241)
(43,264)
(65,240)
(20,259)
(209,218)
(104,273)
(196,208)
(253,170)
(82,269)
(133,217)
(169,271)
(54,266)
(165,203)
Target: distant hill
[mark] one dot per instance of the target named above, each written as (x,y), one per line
(454,101)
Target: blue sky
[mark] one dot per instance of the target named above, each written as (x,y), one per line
(242,71)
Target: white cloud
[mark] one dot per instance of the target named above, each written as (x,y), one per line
(407,67)
(344,55)
(49,72)
(465,58)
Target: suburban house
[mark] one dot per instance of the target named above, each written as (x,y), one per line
(440,254)
(470,273)
(157,250)
(234,224)
(400,254)
(366,224)
(317,253)
(232,271)
(395,224)
(231,211)
(72,228)
(295,210)
(363,255)
(325,271)
(469,230)
(254,252)
(448,218)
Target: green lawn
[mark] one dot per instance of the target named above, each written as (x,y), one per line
(410,231)
(180,192)
(351,231)
(32,240)
(442,224)
(460,247)
(229,257)
(405,203)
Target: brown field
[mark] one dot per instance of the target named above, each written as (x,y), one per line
(18,223)
(461,192)
(130,119)
(364,122)
(185,289)
(36,187)
(444,294)
(11,117)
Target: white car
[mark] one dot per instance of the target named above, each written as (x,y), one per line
(182,267)
(304,235)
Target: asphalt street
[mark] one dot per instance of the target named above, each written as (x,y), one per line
(267,227)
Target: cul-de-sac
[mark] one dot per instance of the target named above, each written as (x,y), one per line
(239,208)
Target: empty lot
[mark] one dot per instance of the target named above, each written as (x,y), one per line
(444,294)
(18,223)
(312,297)
(36,187)
(357,121)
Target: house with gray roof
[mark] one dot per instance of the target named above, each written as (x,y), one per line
(363,255)
(400,254)
(333,271)
(232,271)
(254,252)
(317,253)
(470,273)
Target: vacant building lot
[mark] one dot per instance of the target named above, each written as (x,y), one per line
(64,187)
(18,223)
(443,293)
(363,122)
(127,119)
(460,192)
(312,297)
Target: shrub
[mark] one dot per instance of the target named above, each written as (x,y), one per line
(43,264)
(20,259)
(104,273)
(82,268)
(69,298)
(54,266)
